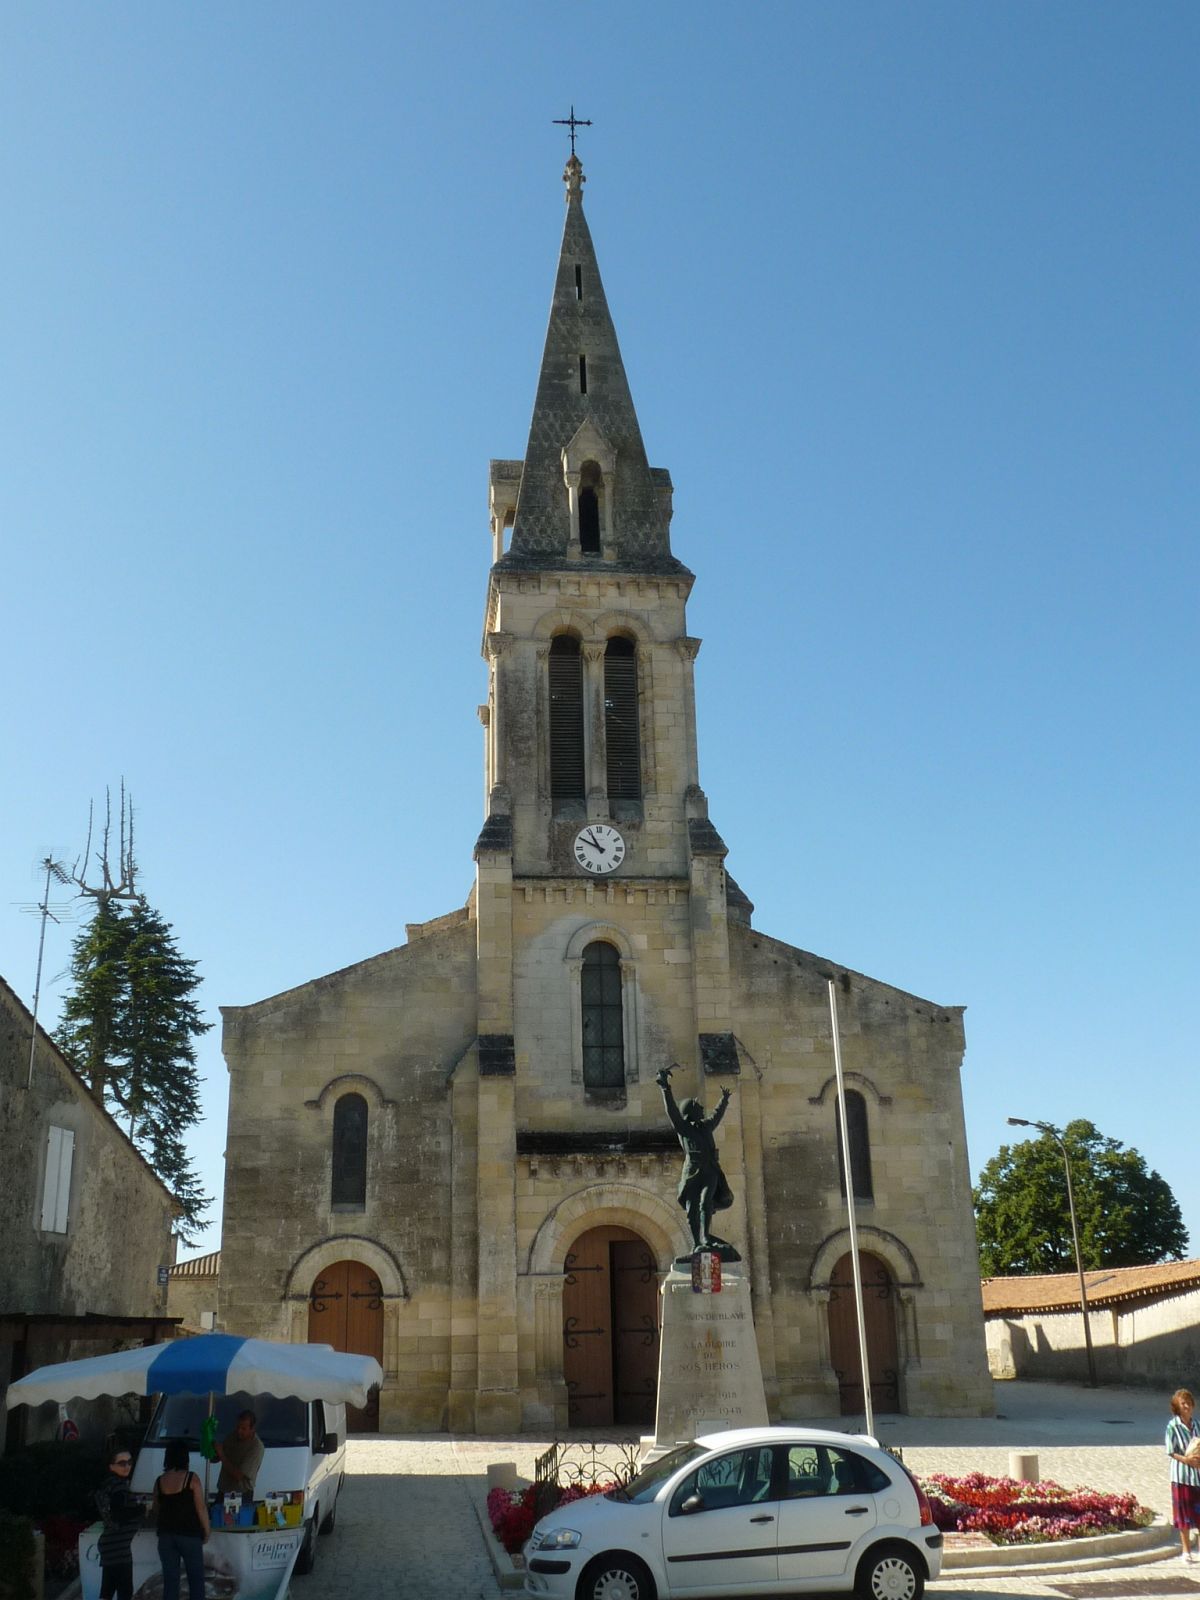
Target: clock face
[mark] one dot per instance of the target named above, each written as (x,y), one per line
(599,849)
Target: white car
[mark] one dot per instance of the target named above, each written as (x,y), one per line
(752,1511)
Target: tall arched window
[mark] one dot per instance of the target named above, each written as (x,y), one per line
(621,721)
(591,487)
(860,1145)
(349,1188)
(603,1020)
(566,719)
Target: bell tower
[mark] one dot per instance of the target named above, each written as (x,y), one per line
(601,902)
(591,714)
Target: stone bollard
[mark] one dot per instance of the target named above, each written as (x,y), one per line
(502,1475)
(1023,1464)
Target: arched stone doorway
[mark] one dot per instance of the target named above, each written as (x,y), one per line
(345,1309)
(610,1307)
(879,1310)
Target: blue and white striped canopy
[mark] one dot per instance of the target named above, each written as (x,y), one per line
(211,1363)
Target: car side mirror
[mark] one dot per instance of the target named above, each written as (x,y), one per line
(329,1444)
(693,1503)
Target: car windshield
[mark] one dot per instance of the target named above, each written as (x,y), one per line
(282,1419)
(648,1482)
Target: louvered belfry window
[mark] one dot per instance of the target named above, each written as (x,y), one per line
(860,1145)
(566,720)
(621,721)
(603,1025)
(349,1187)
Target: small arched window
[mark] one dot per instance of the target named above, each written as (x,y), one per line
(349,1188)
(860,1145)
(603,1018)
(566,719)
(591,488)
(621,741)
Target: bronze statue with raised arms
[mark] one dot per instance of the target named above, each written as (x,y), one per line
(703,1187)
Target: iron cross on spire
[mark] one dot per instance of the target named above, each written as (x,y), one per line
(572,122)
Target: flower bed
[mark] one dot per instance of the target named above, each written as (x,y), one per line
(1011,1511)
(512,1513)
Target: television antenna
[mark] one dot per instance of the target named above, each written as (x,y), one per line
(60,912)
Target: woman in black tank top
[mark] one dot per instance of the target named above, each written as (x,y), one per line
(183,1525)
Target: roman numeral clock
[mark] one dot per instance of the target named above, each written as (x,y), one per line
(599,849)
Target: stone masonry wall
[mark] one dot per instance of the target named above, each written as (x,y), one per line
(120,1215)
(391,1029)
(529,610)
(1134,1342)
(903,1055)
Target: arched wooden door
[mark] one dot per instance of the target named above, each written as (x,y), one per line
(879,1309)
(345,1309)
(610,1329)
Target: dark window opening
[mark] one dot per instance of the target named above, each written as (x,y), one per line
(603,1021)
(860,1146)
(350,1151)
(621,741)
(583,374)
(591,488)
(589,521)
(566,719)
(579,283)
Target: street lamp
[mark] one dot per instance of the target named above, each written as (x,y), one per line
(1048,1127)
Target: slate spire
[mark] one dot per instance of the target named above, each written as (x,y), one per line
(583,408)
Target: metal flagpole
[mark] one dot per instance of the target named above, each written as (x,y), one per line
(844,1129)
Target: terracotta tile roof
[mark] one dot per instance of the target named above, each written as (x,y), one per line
(1059,1291)
(198,1267)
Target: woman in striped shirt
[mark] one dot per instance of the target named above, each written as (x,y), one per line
(1185,1478)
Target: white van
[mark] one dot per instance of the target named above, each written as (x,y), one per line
(304,1447)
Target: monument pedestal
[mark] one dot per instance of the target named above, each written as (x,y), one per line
(709,1375)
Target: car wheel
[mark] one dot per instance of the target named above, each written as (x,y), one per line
(615,1576)
(890,1573)
(328,1525)
(307,1559)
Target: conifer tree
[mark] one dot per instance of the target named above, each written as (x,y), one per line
(130,1021)
(128,1027)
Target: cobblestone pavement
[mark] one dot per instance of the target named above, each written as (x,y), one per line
(407,1527)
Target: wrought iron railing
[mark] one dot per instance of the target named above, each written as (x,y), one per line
(582,1464)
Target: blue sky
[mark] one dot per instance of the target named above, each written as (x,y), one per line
(906,295)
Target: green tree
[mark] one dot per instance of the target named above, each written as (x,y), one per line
(1126,1213)
(128,1026)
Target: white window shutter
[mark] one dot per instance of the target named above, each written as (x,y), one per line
(56,1191)
(50,1187)
(64,1180)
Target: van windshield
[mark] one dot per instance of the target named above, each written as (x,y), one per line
(282,1419)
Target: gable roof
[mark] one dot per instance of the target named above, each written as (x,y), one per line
(1059,1291)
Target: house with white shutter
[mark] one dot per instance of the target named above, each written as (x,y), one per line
(85,1227)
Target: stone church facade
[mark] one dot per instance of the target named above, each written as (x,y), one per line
(459,1143)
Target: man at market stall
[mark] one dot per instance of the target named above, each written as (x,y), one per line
(240,1454)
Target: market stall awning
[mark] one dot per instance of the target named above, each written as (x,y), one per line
(212,1363)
